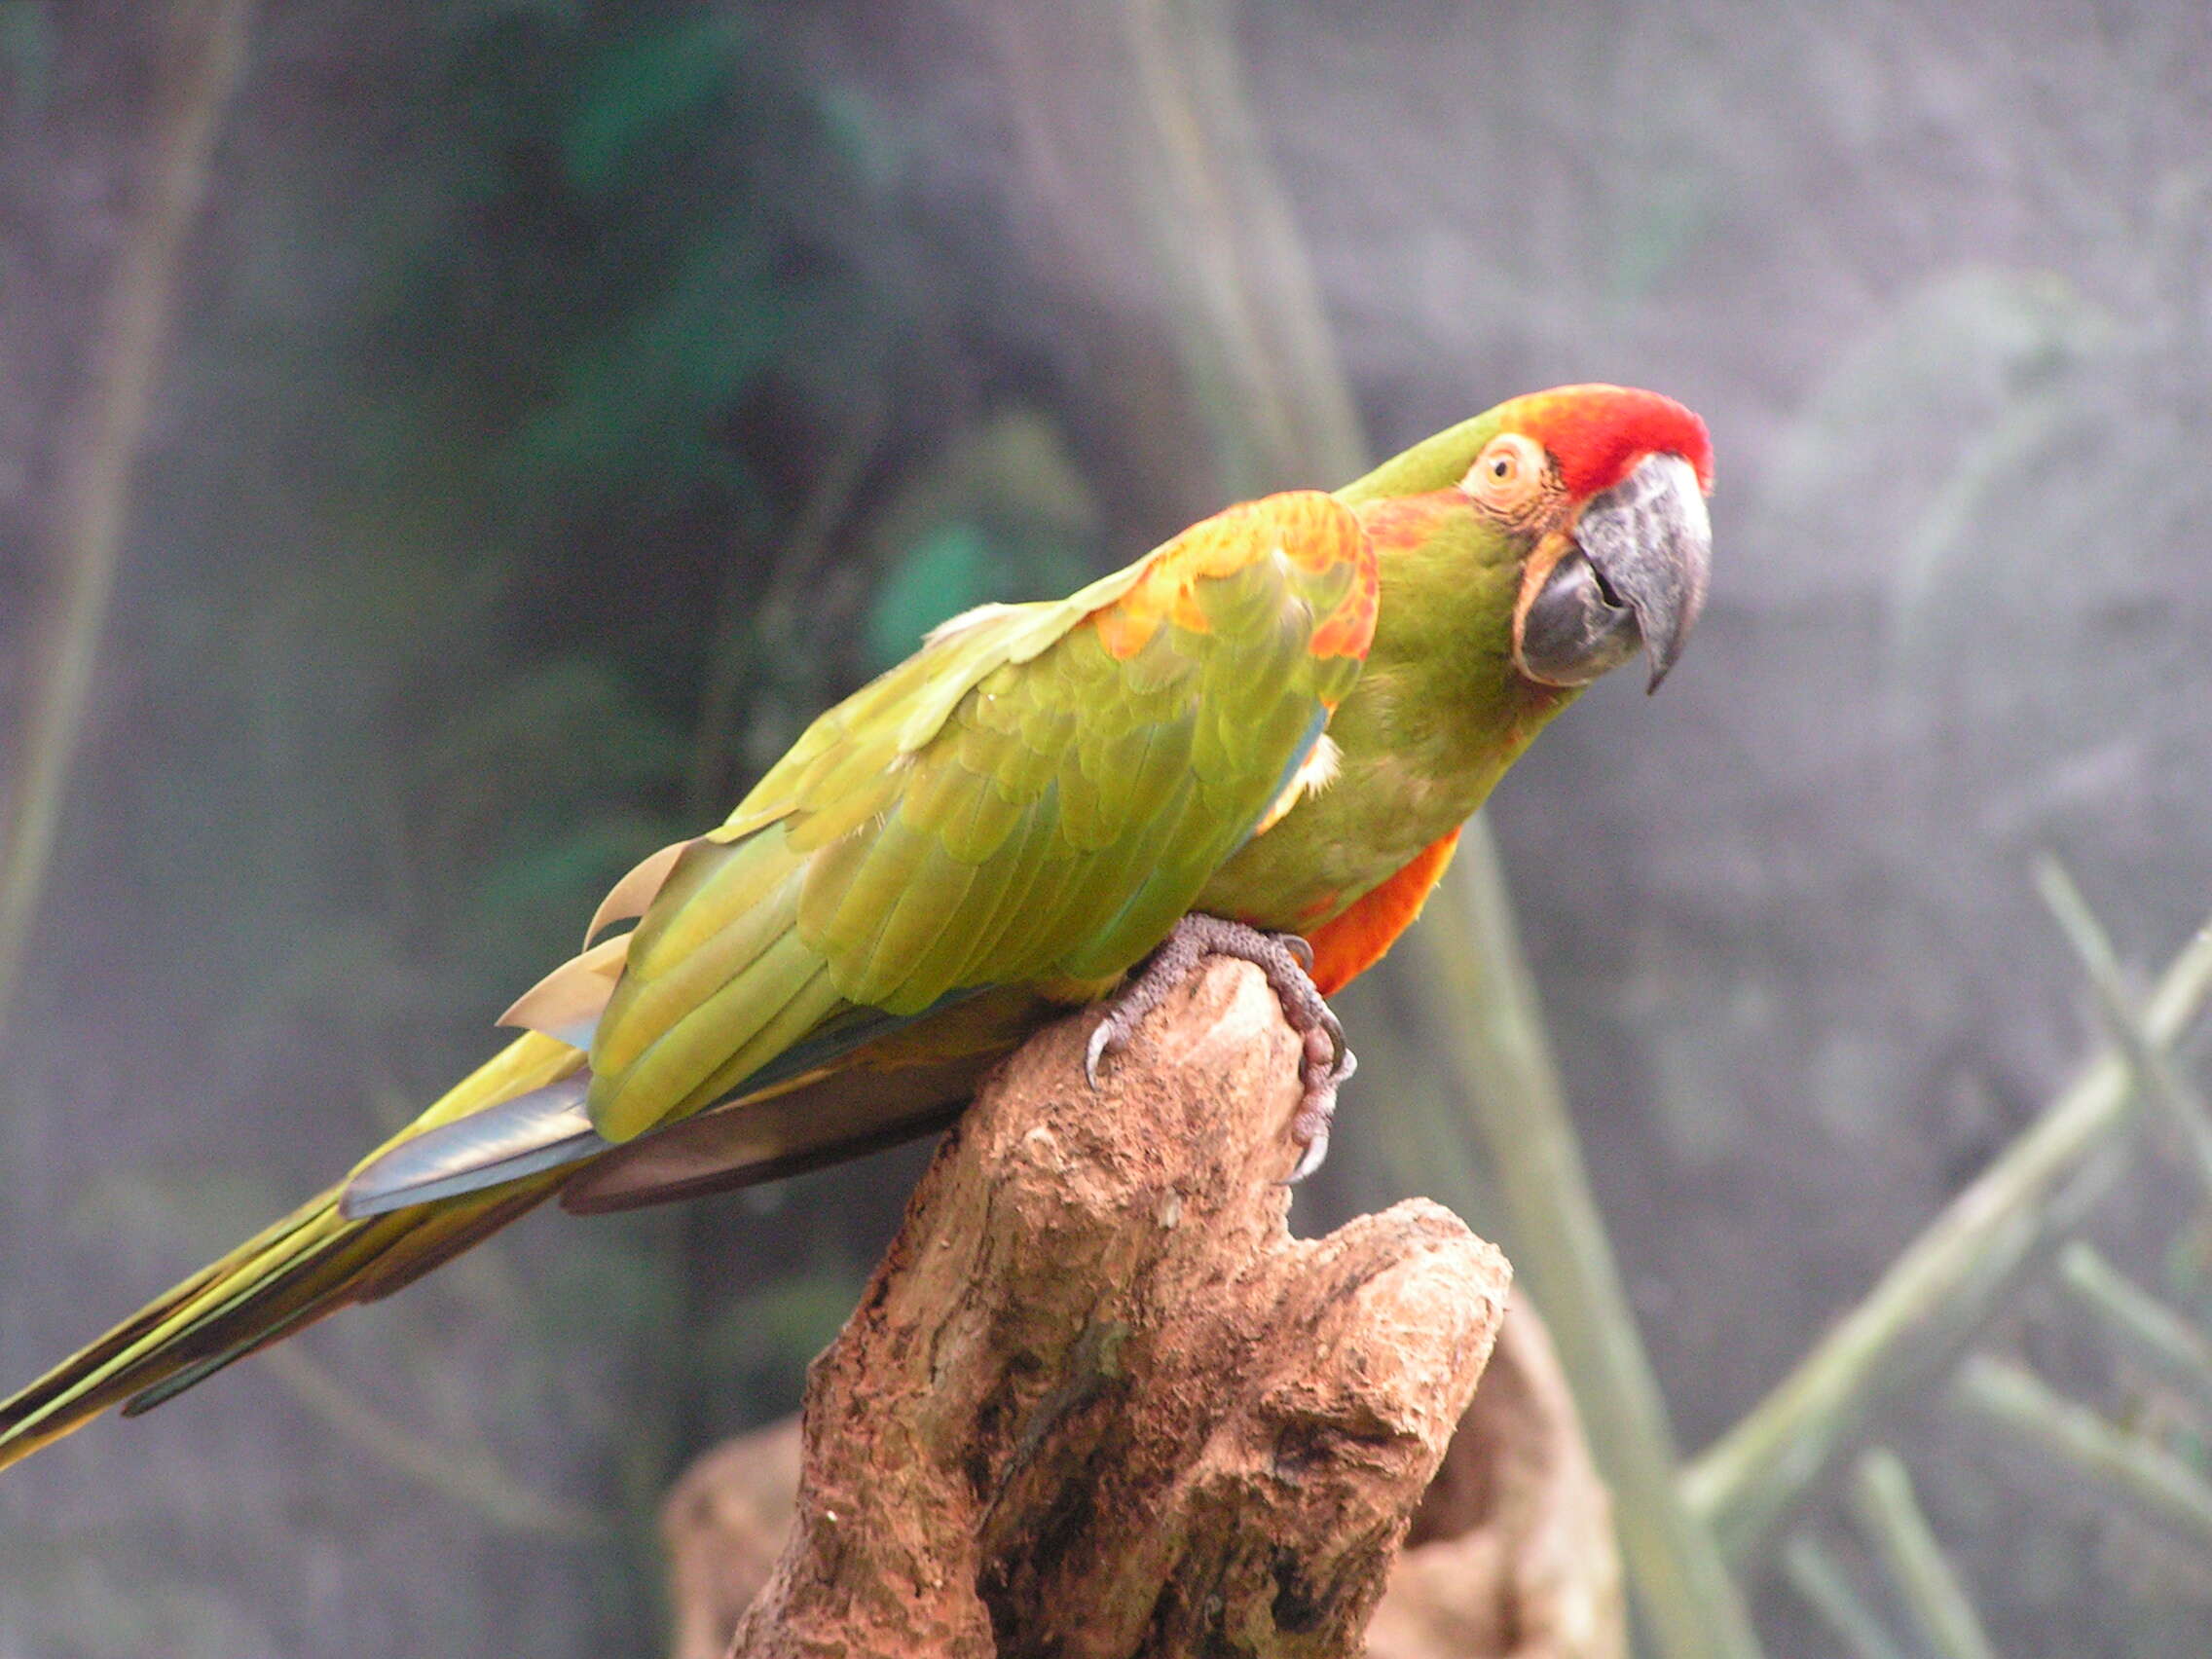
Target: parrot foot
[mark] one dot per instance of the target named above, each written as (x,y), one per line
(1287,961)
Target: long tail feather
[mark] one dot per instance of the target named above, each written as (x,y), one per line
(478,1159)
(311,1263)
(543,1130)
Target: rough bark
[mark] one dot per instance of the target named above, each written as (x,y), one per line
(1511,1553)
(1096,1401)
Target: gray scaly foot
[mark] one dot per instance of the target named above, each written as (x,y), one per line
(1286,960)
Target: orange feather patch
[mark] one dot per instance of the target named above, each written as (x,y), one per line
(1304,526)
(1348,946)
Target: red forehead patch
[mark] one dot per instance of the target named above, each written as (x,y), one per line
(1598,432)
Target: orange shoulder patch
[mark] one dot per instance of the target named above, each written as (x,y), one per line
(1346,947)
(1313,531)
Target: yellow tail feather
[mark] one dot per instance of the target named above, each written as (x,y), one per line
(285,1277)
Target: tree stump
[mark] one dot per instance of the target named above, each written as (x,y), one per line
(1511,1553)
(1096,1400)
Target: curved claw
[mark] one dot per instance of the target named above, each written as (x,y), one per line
(1317,1153)
(1101,1041)
(1300,946)
(1320,1071)
(1340,1051)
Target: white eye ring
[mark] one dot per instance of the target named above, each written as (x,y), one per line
(1509,473)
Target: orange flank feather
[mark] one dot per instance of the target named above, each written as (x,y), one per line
(1347,947)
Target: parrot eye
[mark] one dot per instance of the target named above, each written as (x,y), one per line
(1509,477)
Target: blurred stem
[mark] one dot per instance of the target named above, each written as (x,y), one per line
(1817,1576)
(204,60)
(1255,340)
(2136,1321)
(2083,1445)
(2153,1073)
(1897,1529)
(1931,1293)
(465,1475)
(1482,1001)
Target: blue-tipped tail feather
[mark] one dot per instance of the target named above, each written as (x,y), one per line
(547,1129)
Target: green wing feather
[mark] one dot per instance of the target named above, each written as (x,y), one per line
(1034,796)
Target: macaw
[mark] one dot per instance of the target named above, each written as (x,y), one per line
(1261,738)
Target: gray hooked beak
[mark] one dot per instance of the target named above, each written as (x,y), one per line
(1635,575)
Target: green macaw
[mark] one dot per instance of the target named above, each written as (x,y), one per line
(1261,738)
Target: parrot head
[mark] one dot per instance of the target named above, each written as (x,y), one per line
(1589,501)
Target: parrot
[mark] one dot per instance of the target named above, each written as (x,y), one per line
(1260,740)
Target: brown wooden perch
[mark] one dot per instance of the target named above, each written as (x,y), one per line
(1097,1400)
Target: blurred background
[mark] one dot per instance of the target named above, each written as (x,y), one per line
(447,450)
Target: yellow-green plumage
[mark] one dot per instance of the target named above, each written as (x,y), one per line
(1049,823)
(1001,826)
(309,1264)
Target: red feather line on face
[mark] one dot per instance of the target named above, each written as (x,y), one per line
(1597,433)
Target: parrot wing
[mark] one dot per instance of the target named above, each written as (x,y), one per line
(1031,799)
(1034,796)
